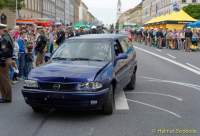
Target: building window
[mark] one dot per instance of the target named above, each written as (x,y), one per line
(194,1)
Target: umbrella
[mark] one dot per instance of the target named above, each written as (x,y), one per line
(197,24)
(194,25)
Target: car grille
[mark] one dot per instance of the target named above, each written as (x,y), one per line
(54,86)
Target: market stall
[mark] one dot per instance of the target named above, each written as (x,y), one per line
(25,22)
(174,20)
(45,22)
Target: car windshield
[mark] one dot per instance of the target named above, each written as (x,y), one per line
(84,50)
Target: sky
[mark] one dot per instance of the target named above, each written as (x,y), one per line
(106,10)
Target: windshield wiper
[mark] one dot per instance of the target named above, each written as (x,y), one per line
(59,58)
(85,59)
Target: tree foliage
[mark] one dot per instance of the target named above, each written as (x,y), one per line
(2,4)
(11,4)
(193,10)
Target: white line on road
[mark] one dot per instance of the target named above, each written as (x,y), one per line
(194,86)
(195,67)
(158,50)
(171,61)
(156,107)
(121,101)
(160,94)
(173,57)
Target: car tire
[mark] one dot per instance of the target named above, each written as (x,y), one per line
(131,85)
(108,106)
(38,109)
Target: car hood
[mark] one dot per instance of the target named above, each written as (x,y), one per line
(68,71)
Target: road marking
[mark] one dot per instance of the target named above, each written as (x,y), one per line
(173,57)
(171,61)
(160,94)
(195,67)
(156,107)
(194,86)
(121,101)
(158,50)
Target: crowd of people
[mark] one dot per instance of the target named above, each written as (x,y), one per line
(25,46)
(173,39)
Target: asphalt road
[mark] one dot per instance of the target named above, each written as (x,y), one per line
(166,100)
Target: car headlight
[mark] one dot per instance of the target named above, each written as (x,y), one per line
(90,86)
(30,84)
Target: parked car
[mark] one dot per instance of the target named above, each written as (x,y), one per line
(84,72)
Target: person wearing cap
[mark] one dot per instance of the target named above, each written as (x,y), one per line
(6,53)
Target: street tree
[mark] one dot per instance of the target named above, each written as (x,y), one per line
(11,4)
(193,10)
(2,4)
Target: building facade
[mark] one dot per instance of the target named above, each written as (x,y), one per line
(83,12)
(76,10)
(60,10)
(32,9)
(65,11)
(90,17)
(48,9)
(132,16)
(153,8)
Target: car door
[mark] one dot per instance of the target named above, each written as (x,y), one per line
(121,69)
(129,62)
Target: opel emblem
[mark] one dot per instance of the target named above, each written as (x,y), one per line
(56,86)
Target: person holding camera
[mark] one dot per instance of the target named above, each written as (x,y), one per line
(6,53)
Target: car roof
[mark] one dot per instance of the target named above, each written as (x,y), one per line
(99,36)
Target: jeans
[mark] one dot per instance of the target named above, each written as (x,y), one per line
(11,72)
(28,67)
(21,65)
(51,48)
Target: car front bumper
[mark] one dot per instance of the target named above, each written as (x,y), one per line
(65,100)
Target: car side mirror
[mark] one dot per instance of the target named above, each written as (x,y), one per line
(121,56)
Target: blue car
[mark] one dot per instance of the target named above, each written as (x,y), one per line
(83,73)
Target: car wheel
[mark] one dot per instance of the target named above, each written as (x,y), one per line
(38,109)
(131,85)
(108,106)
